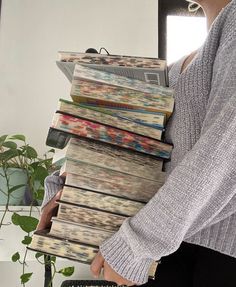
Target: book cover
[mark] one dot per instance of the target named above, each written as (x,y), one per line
(78,232)
(132,190)
(89,113)
(143,117)
(85,128)
(93,86)
(111,157)
(43,242)
(100,201)
(90,216)
(152,70)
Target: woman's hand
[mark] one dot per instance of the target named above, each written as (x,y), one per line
(109,274)
(49,210)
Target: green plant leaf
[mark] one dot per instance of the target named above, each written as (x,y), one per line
(27,240)
(28,223)
(39,194)
(8,154)
(30,152)
(67,271)
(40,173)
(15,218)
(2,139)
(15,188)
(53,259)
(25,277)
(18,137)
(15,257)
(38,254)
(10,144)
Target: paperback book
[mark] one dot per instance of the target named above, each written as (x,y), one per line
(110,156)
(90,216)
(101,201)
(89,113)
(105,89)
(152,70)
(85,128)
(131,190)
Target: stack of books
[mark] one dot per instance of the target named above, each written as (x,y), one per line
(112,149)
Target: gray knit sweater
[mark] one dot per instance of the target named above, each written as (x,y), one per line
(197,203)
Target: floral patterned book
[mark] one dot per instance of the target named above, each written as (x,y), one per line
(151,70)
(106,89)
(86,128)
(109,156)
(89,113)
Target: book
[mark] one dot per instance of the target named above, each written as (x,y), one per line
(96,172)
(78,232)
(90,216)
(86,128)
(100,201)
(143,117)
(132,190)
(111,157)
(152,70)
(106,89)
(75,109)
(42,241)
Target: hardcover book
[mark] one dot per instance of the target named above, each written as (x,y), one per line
(106,89)
(85,128)
(90,216)
(152,70)
(100,201)
(132,190)
(89,113)
(111,157)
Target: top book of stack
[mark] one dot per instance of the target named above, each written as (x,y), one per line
(150,70)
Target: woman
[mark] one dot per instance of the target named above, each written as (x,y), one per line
(190,224)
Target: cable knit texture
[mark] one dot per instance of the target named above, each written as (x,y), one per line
(197,203)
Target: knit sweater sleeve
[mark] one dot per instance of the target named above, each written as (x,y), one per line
(196,192)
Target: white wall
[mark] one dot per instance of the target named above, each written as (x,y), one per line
(33,31)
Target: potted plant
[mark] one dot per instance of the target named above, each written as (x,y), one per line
(22,174)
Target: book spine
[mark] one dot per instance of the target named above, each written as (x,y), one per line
(85,128)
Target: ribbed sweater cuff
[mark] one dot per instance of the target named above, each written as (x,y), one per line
(121,258)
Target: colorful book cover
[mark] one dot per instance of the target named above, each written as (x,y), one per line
(112,60)
(94,86)
(78,232)
(91,217)
(131,190)
(111,157)
(89,129)
(101,201)
(89,113)
(43,242)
